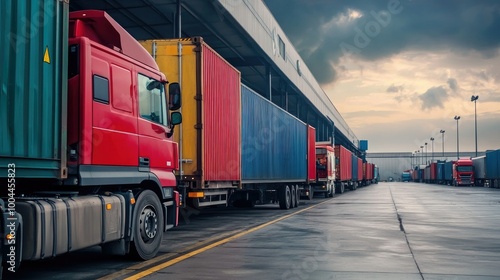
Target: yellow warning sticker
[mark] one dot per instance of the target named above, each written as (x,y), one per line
(46,56)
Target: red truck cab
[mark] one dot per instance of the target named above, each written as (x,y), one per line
(119,133)
(463,172)
(325,170)
(118,128)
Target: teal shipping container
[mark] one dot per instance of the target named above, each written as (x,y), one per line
(34,39)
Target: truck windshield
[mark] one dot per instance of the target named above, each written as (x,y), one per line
(464,168)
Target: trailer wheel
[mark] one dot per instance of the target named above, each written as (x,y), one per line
(293,202)
(284,197)
(148,225)
(297,195)
(339,188)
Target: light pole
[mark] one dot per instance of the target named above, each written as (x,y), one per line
(474,98)
(458,151)
(422,155)
(432,149)
(425,153)
(442,132)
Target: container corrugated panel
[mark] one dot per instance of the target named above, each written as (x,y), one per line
(221,118)
(440,171)
(210,142)
(360,169)
(448,170)
(354,167)
(311,153)
(34,39)
(369,171)
(479,164)
(433,171)
(493,164)
(343,163)
(274,143)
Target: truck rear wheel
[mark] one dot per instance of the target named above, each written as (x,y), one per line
(148,225)
(297,197)
(284,197)
(293,191)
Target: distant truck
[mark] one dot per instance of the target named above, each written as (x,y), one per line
(463,172)
(325,170)
(406,176)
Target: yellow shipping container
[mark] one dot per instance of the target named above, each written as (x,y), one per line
(210,135)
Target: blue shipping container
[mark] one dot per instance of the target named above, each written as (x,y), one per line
(493,164)
(354,168)
(440,170)
(274,143)
(448,171)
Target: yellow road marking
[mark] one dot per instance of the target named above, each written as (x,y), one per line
(213,245)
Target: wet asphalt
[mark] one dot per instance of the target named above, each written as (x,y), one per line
(389,230)
(385,231)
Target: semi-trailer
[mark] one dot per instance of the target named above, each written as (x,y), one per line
(343,166)
(86,154)
(487,169)
(368,173)
(493,168)
(357,172)
(236,147)
(440,172)
(278,155)
(210,136)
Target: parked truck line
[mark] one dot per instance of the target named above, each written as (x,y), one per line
(97,151)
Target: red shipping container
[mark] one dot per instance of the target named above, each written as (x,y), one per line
(221,118)
(433,171)
(311,153)
(367,171)
(343,164)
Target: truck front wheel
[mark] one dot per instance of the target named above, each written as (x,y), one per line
(148,225)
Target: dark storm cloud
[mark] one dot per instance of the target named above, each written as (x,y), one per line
(434,97)
(418,25)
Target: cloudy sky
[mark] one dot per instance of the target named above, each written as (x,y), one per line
(399,71)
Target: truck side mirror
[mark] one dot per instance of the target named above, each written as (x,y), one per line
(175,119)
(174,98)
